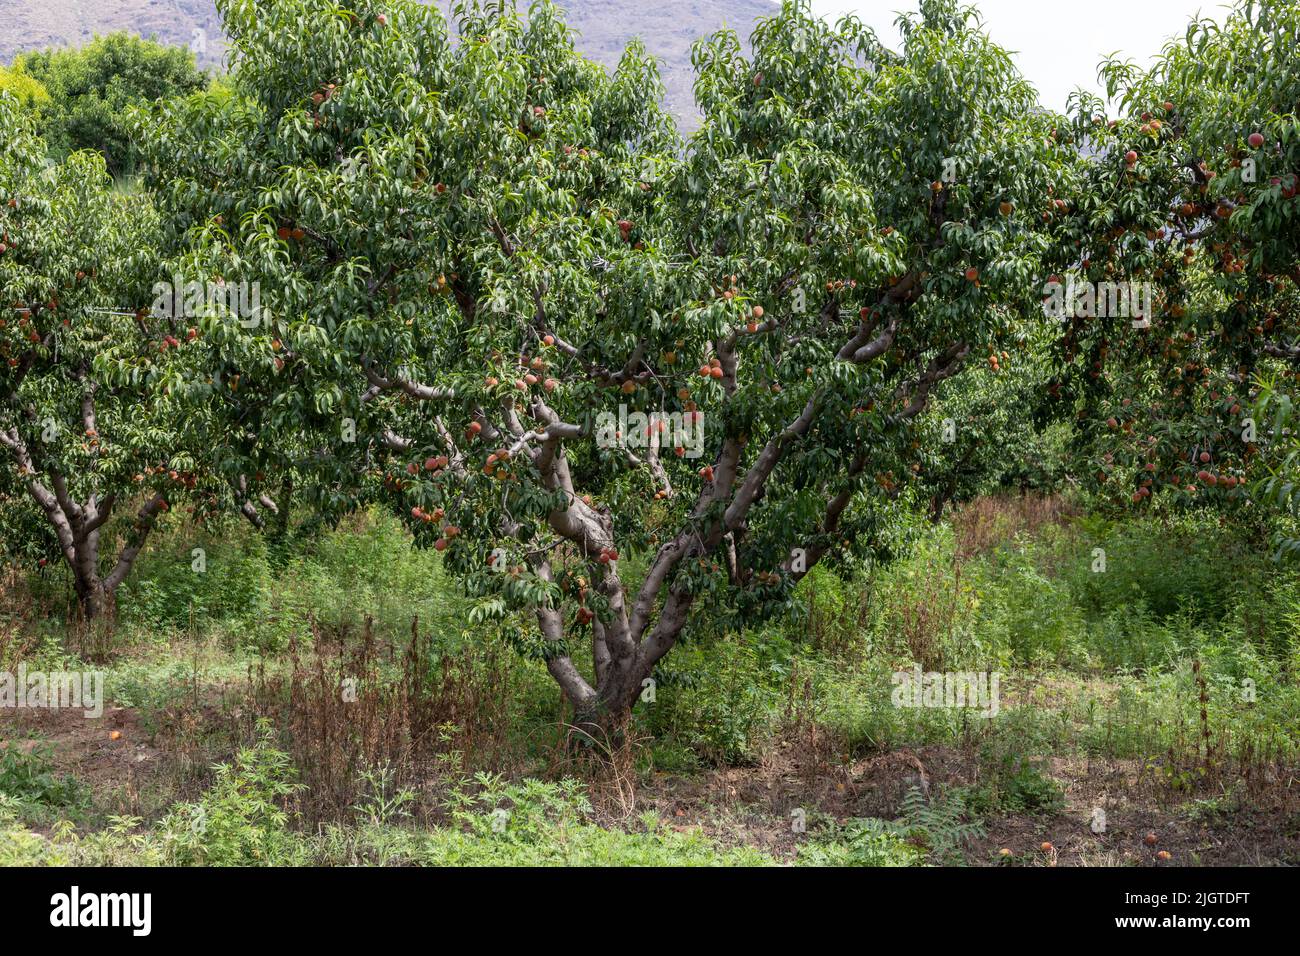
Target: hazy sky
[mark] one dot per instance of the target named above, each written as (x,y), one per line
(1057,45)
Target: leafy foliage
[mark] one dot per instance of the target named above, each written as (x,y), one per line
(468,268)
(83,95)
(27,778)
(241,820)
(83,425)
(940,824)
(25,89)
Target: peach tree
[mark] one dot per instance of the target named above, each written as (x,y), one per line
(373,179)
(616,377)
(87,432)
(1191,190)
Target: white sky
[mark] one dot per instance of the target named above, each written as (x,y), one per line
(1057,45)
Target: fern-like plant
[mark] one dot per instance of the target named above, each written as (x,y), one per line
(942,826)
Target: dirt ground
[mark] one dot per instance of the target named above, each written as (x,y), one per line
(112,756)
(116,758)
(753,806)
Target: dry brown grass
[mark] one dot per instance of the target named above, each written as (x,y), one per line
(607,761)
(984,523)
(349,706)
(16,639)
(926,615)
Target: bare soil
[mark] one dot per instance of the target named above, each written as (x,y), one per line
(127,774)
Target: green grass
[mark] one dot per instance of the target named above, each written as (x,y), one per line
(1093,663)
(33,790)
(242,821)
